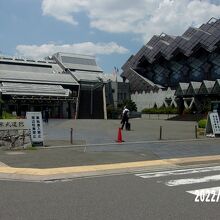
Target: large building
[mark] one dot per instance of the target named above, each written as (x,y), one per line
(117,91)
(68,85)
(165,61)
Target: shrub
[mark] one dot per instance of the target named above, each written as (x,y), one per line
(112,112)
(6,115)
(161,110)
(187,111)
(202,123)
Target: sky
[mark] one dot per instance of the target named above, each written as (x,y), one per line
(111,30)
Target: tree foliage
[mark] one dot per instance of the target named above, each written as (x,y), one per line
(131,105)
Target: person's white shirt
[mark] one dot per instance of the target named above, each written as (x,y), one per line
(125,110)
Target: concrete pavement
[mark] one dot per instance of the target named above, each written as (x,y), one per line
(95,149)
(105,131)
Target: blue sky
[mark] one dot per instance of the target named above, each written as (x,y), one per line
(111,30)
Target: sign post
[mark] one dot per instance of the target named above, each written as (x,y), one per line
(213,124)
(36,127)
(14,124)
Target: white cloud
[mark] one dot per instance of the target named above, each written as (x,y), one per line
(63,10)
(88,48)
(142,17)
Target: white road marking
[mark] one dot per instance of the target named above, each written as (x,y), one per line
(178,172)
(193,180)
(206,191)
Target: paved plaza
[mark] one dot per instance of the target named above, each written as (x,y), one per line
(105,131)
(94,142)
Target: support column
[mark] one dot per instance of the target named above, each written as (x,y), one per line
(104,102)
(69,110)
(1,102)
(77,103)
(91,102)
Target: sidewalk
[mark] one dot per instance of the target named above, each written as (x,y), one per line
(107,154)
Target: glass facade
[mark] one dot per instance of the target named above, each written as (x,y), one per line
(168,60)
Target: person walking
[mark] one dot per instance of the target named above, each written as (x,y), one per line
(46,115)
(125,117)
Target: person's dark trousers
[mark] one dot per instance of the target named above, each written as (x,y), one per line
(123,123)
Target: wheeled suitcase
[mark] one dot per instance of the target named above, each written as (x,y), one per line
(128,126)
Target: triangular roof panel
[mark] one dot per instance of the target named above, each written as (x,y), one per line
(206,87)
(193,88)
(181,89)
(216,87)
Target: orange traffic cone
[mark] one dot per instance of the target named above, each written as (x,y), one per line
(119,136)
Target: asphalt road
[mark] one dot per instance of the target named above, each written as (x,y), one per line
(147,195)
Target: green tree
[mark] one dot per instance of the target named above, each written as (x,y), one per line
(130,105)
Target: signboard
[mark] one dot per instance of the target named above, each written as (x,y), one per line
(14,124)
(36,127)
(213,123)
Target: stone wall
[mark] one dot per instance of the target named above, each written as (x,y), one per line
(15,138)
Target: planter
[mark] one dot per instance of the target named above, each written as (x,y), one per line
(201,131)
(158,116)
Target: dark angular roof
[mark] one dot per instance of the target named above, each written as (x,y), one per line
(207,36)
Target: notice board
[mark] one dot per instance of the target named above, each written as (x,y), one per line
(36,127)
(213,123)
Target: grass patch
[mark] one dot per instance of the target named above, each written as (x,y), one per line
(30,148)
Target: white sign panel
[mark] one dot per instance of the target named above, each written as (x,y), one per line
(36,126)
(213,123)
(14,124)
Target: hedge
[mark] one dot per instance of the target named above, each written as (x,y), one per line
(6,115)
(162,110)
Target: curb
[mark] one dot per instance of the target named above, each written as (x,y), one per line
(34,174)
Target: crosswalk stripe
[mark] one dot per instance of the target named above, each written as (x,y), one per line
(193,180)
(178,172)
(205,191)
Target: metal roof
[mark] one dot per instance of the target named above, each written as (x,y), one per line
(37,77)
(140,83)
(89,76)
(24,66)
(78,62)
(26,60)
(28,89)
(207,35)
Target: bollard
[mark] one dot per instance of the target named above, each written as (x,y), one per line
(196,131)
(71,136)
(160,132)
(23,137)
